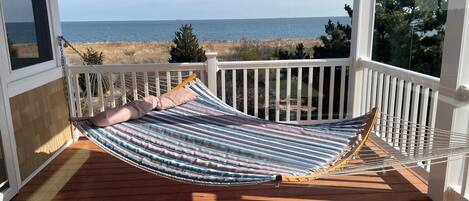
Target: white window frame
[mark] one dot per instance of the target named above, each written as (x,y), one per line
(30,77)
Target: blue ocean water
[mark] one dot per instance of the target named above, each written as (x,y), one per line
(233,29)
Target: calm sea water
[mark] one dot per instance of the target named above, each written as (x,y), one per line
(252,29)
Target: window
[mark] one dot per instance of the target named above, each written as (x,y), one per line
(28,33)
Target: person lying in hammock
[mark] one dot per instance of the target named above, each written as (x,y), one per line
(139,108)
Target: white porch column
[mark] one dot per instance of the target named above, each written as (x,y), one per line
(212,69)
(362,43)
(453,114)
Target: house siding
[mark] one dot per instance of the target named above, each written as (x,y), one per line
(41,125)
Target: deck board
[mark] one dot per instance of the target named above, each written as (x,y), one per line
(85,172)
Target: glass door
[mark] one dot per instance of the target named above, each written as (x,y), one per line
(8,178)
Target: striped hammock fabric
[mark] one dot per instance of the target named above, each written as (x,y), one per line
(208,142)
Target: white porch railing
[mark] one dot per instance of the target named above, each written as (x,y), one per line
(291,91)
(124,82)
(405,98)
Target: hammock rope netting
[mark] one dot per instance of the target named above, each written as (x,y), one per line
(208,142)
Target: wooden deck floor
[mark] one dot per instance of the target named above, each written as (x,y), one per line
(85,172)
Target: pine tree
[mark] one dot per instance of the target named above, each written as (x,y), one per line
(300,52)
(186,46)
(336,42)
(93,57)
(407,33)
(281,54)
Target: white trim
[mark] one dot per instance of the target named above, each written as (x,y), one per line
(362,44)
(452,117)
(274,64)
(23,73)
(29,83)
(27,72)
(40,168)
(157,67)
(402,74)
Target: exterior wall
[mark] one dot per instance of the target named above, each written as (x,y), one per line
(41,125)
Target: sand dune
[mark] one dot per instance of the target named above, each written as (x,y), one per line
(158,51)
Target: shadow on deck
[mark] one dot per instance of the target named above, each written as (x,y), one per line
(85,172)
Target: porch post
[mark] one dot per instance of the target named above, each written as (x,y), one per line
(453,109)
(362,43)
(212,69)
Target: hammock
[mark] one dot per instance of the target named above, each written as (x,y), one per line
(208,142)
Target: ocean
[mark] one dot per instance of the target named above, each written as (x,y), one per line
(233,29)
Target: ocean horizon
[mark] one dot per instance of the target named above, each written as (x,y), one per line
(210,29)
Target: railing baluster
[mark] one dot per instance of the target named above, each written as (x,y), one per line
(342,92)
(277,94)
(202,76)
(288,97)
(134,85)
(223,86)
(299,91)
(331,93)
(408,90)
(245,91)
(77,95)
(321,92)
(234,88)
(112,90)
(168,81)
(391,111)
(384,107)
(374,86)
(369,86)
(256,93)
(124,90)
(413,118)
(379,99)
(310,92)
(423,120)
(179,77)
(432,121)
(398,123)
(157,84)
(71,93)
(89,94)
(267,94)
(365,98)
(145,82)
(99,80)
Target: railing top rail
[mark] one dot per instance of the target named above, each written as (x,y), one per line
(404,74)
(160,67)
(227,65)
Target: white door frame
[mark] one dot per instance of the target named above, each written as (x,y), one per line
(10,157)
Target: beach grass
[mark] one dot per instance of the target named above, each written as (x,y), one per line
(158,51)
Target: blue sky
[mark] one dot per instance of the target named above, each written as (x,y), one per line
(116,10)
